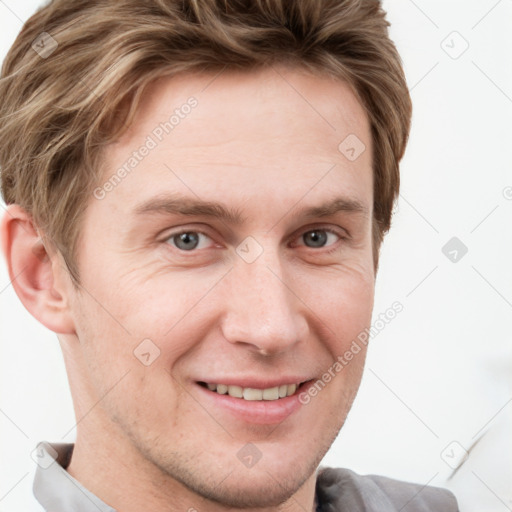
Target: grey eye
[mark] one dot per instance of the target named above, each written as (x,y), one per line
(315,238)
(186,241)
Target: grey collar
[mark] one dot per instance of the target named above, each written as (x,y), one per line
(55,489)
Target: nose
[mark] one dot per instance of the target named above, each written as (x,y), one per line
(263,311)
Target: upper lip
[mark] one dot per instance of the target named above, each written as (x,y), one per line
(255,383)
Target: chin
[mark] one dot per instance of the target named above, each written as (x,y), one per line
(273,480)
(253,489)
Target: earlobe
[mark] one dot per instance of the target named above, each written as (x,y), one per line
(40,280)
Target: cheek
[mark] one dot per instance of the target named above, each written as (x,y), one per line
(350,312)
(350,308)
(145,322)
(168,308)
(341,298)
(122,367)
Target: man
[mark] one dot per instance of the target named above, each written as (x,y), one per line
(197,195)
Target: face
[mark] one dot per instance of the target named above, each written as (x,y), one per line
(231,257)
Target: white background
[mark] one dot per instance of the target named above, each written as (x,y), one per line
(439,376)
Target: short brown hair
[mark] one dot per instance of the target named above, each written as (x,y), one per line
(58,111)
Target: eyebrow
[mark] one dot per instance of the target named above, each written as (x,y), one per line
(179,205)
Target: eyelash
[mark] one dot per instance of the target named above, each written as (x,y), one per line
(333,246)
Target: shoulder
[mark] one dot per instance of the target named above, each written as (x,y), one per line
(343,490)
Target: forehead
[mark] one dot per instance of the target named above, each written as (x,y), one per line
(210,134)
(290,100)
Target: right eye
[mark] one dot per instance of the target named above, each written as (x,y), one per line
(188,240)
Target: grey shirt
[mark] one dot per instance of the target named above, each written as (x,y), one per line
(337,490)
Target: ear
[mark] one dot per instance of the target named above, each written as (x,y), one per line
(40,278)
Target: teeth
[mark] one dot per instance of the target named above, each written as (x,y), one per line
(221,389)
(254,394)
(271,393)
(235,391)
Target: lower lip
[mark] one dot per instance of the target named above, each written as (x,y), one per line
(258,412)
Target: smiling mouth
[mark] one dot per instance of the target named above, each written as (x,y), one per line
(253,394)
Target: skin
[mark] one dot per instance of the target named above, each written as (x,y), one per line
(148,437)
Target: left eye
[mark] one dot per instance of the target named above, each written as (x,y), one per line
(319,238)
(189,240)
